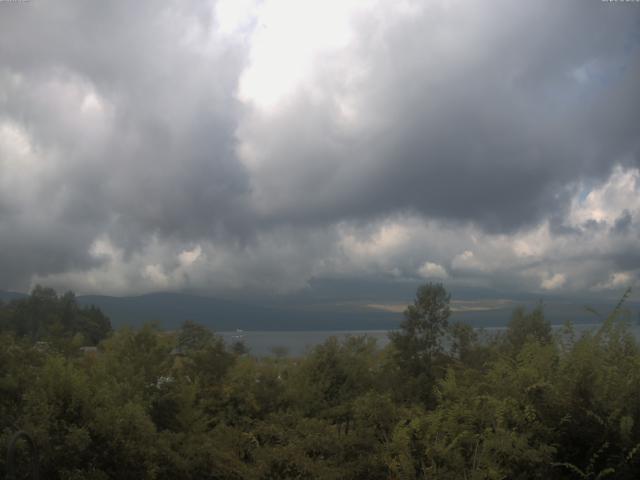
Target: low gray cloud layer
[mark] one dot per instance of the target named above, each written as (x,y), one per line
(147,146)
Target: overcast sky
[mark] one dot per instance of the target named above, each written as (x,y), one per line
(260,146)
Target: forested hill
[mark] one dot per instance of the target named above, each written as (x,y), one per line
(437,402)
(169,310)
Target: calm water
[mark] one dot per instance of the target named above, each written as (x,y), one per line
(262,343)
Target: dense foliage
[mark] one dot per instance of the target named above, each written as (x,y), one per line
(45,316)
(439,401)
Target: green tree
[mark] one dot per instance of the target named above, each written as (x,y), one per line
(525,327)
(193,336)
(44,315)
(418,343)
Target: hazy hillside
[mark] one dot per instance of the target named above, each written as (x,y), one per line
(8,296)
(171,309)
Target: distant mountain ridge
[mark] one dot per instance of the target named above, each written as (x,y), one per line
(170,310)
(8,296)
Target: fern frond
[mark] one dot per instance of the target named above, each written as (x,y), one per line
(606,472)
(617,308)
(633,452)
(570,466)
(596,455)
(594,311)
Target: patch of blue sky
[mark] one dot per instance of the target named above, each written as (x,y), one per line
(586,187)
(600,74)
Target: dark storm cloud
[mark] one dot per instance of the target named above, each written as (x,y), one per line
(622,223)
(487,115)
(162,162)
(125,144)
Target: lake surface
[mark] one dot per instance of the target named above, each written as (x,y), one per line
(261,343)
